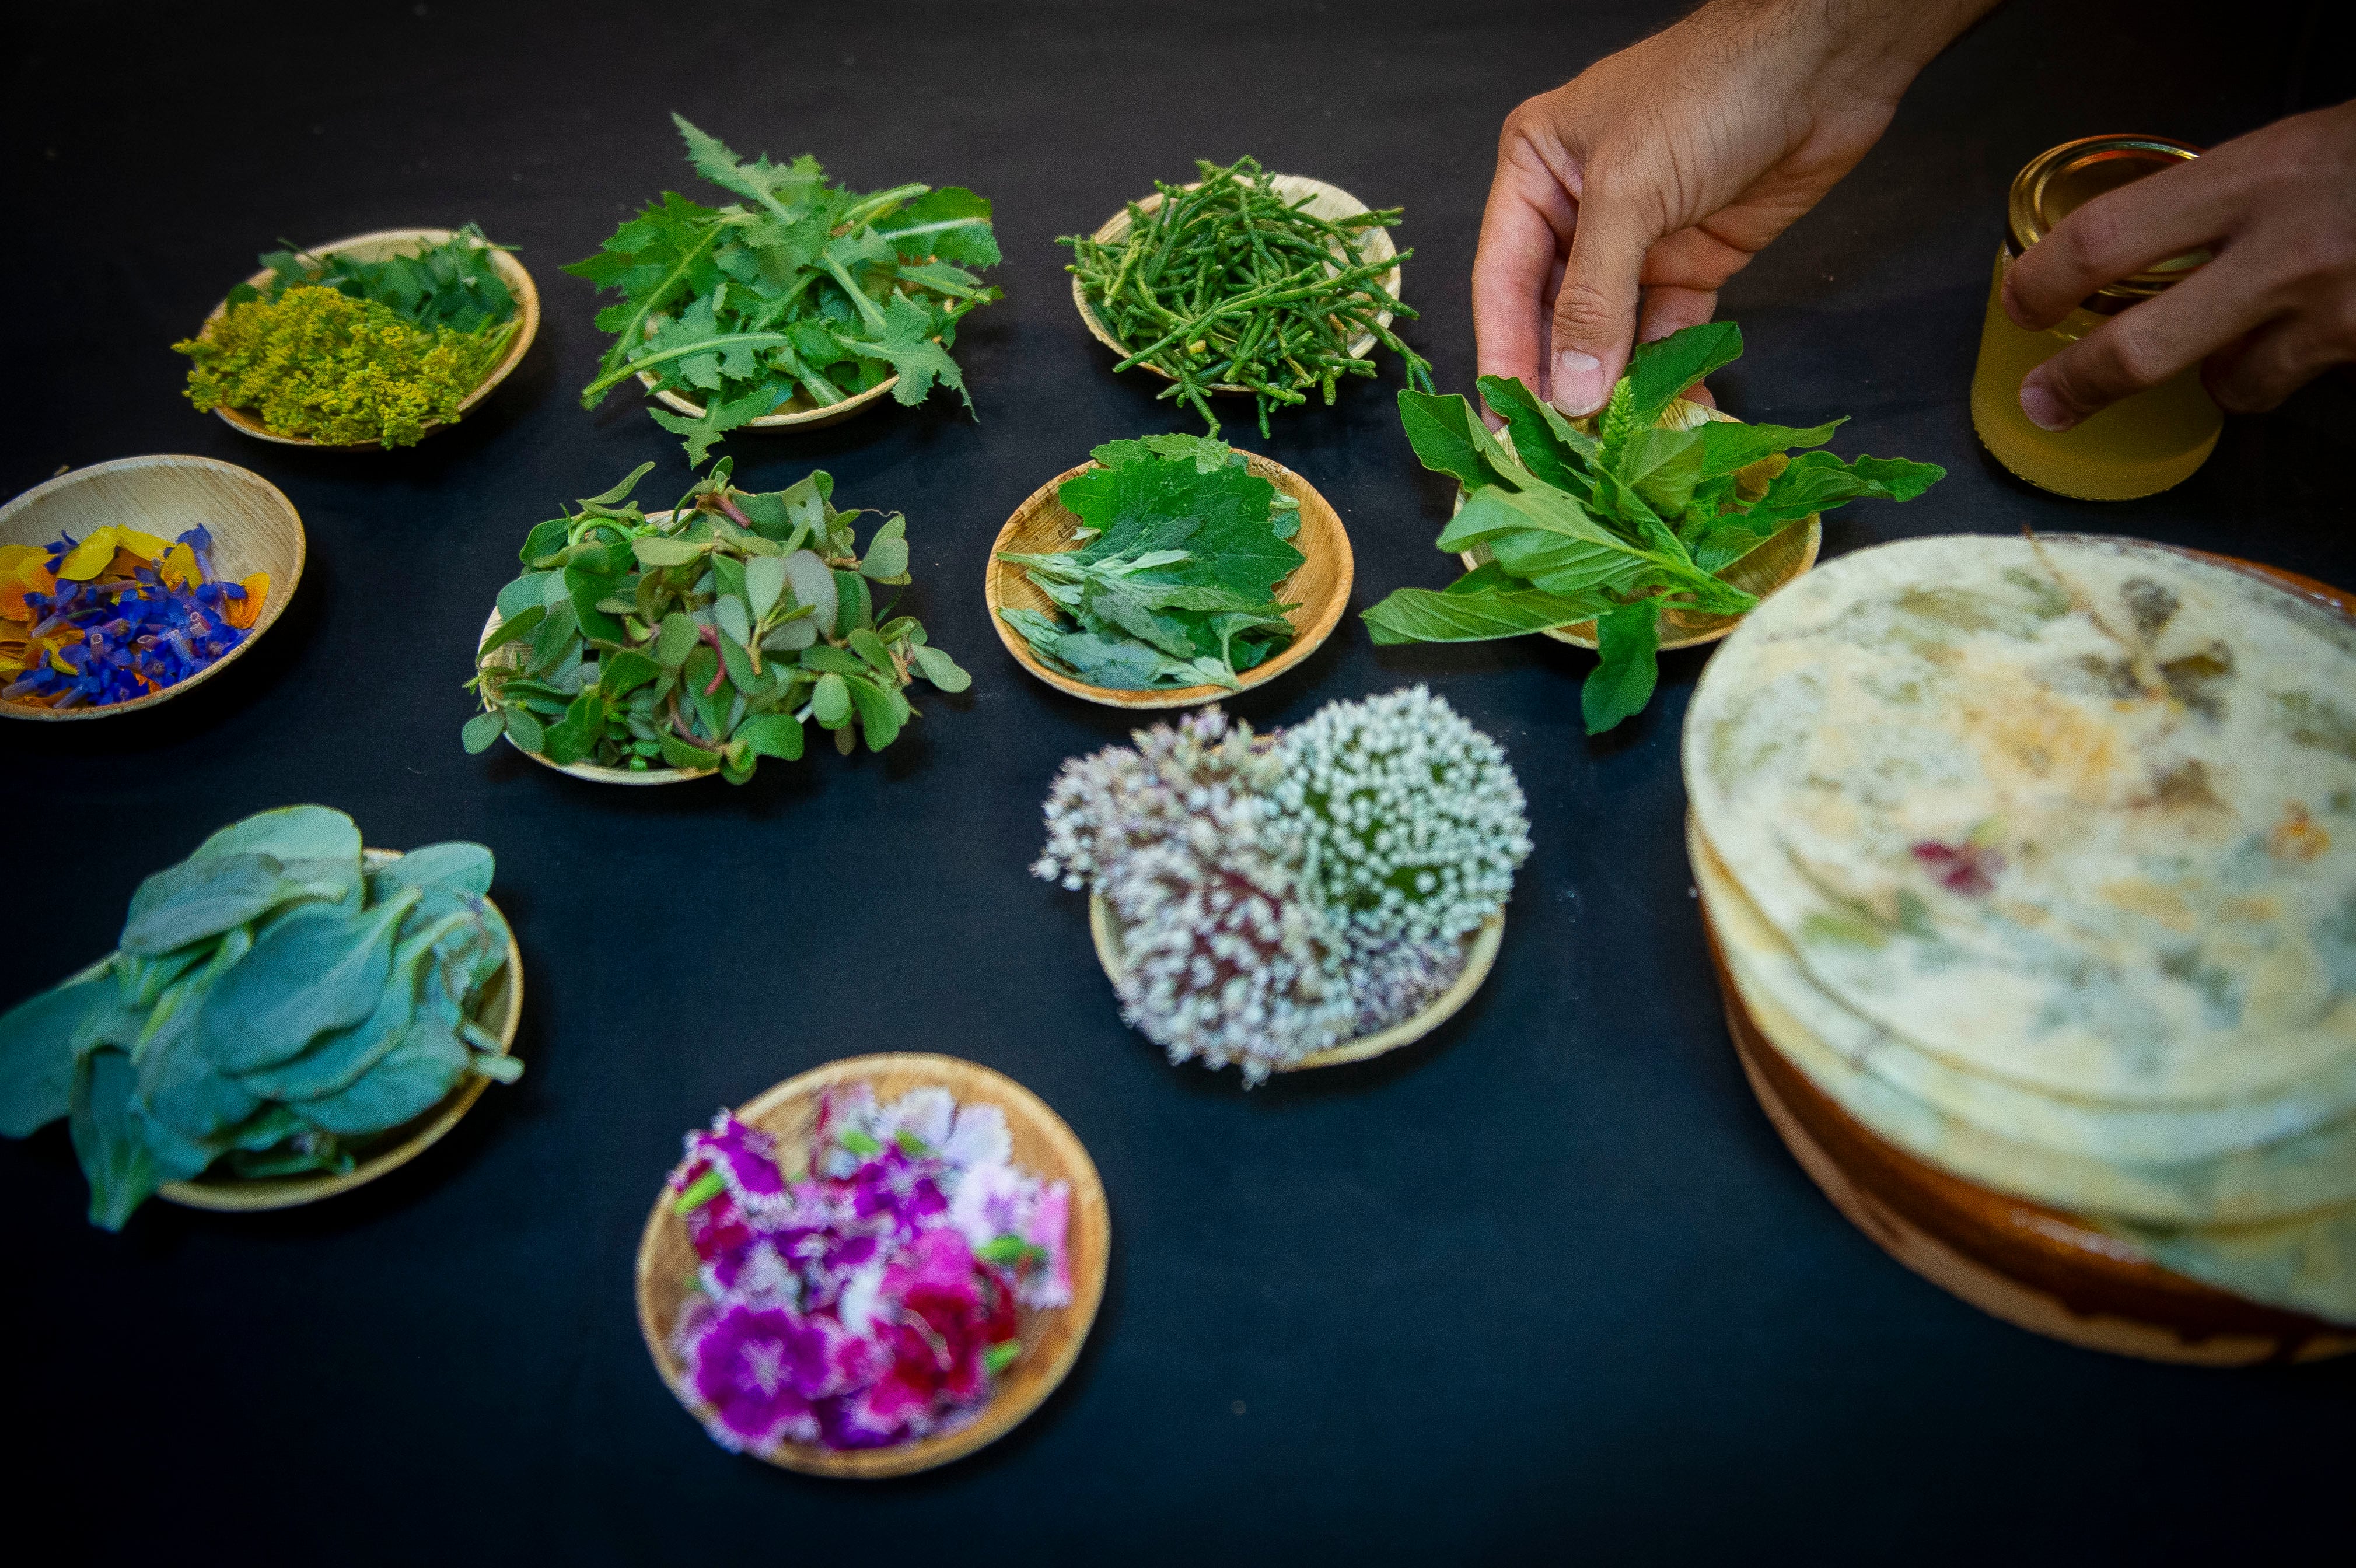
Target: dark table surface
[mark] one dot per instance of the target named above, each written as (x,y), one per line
(1544,1285)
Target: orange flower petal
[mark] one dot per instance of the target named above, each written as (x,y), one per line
(31,576)
(246,611)
(10,554)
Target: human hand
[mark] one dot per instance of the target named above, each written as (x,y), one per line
(2273,310)
(1623,199)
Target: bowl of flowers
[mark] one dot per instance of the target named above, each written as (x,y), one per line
(875,1267)
(1318,895)
(126,583)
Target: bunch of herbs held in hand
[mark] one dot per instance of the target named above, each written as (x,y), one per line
(279,1003)
(1225,285)
(1615,519)
(799,288)
(1181,548)
(704,638)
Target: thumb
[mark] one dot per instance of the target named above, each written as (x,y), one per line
(1595,314)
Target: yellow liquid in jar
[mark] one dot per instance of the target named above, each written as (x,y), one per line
(2139,446)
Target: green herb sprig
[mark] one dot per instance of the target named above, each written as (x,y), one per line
(704,639)
(800,287)
(1618,518)
(1172,583)
(275,1004)
(1229,284)
(454,284)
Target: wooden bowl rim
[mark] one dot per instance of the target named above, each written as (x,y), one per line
(512,273)
(255,1194)
(1002,1413)
(274,606)
(808,419)
(1480,957)
(1721,624)
(593,772)
(1306,640)
(1116,226)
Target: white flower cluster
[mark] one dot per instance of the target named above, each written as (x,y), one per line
(1414,822)
(1207,842)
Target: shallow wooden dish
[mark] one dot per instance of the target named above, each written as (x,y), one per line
(1051,1339)
(499,1009)
(1481,956)
(254,528)
(1761,573)
(1327,201)
(1318,587)
(376,246)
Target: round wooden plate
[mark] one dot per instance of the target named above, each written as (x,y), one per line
(500,1008)
(1480,957)
(1051,1339)
(1318,587)
(2034,1266)
(1326,201)
(254,528)
(800,413)
(1763,570)
(376,247)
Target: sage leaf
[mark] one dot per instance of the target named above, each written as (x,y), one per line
(317,969)
(459,867)
(114,1158)
(411,1079)
(37,1053)
(197,899)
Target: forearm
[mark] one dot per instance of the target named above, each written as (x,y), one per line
(1870,47)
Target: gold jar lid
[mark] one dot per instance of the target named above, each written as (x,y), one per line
(2058,182)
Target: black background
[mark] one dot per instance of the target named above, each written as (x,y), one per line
(1543,1286)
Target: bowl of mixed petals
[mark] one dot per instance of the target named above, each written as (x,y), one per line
(875,1267)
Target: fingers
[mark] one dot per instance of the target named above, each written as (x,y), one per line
(2142,346)
(2259,372)
(1520,249)
(2121,233)
(1595,314)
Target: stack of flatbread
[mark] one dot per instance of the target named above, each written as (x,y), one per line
(2039,858)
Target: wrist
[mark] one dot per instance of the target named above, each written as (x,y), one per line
(1862,49)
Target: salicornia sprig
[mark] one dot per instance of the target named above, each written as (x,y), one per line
(1226,284)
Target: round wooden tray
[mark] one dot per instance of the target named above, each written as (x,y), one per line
(1327,201)
(376,247)
(1051,1339)
(2033,1266)
(255,527)
(1480,957)
(1319,584)
(498,1008)
(1763,570)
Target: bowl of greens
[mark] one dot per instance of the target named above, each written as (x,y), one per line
(303,353)
(1275,287)
(1167,571)
(649,648)
(796,305)
(286,1016)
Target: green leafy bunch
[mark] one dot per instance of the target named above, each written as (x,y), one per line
(453,283)
(317,363)
(1226,284)
(276,1003)
(799,288)
(1615,519)
(703,638)
(1173,583)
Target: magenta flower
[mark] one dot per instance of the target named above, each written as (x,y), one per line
(759,1369)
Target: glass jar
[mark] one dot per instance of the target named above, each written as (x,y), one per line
(2139,445)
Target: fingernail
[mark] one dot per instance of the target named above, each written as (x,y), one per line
(2012,305)
(1579,386)
(2043,409)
